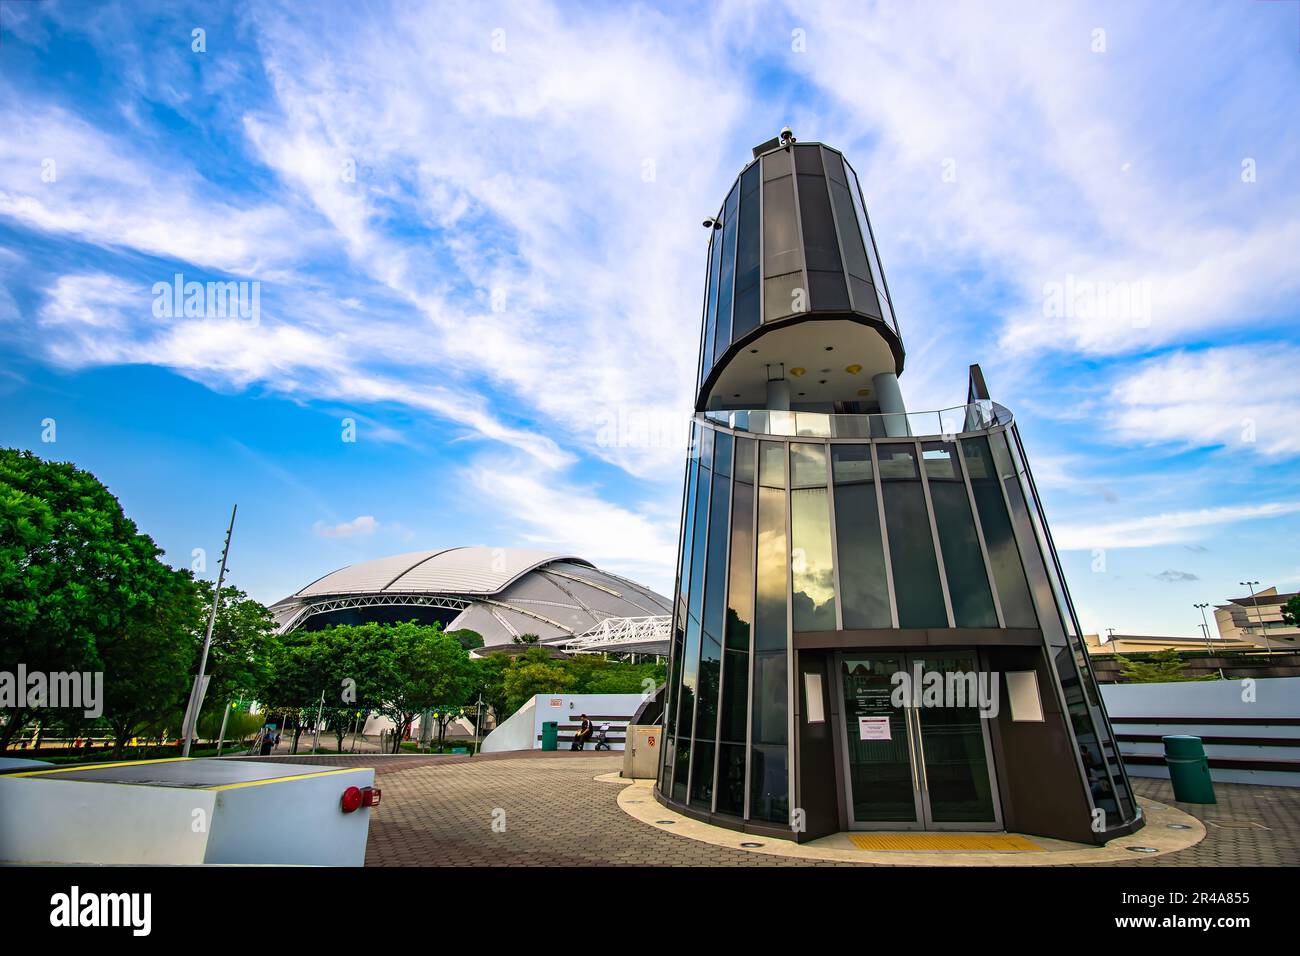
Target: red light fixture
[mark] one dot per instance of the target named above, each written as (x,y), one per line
(354,798)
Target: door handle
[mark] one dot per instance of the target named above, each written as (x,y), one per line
(907,718)
(920,752)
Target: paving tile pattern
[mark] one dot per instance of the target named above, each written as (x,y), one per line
(440,810)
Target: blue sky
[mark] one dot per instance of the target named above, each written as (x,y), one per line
(475,233)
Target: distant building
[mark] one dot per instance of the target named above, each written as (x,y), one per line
(1142,643)
(1258,620)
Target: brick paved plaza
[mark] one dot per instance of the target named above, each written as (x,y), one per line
(439,811)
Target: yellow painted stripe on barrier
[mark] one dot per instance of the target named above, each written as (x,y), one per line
(298,776)
(1003,842)
(98,766)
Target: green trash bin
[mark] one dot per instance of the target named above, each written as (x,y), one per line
(1189,771)
(550,734)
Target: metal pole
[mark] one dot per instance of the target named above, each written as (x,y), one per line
(1205,626)
(478,722)
(315,742)
(221,738)
(193,708)
(1263,632)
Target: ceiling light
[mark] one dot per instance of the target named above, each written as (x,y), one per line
(853,369)
(797,371)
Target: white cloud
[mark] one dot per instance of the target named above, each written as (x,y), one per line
(1171,528)
(358,526)
(1244,397)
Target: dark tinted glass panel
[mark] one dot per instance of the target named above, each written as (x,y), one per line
(735,696)
(773,559)
(877,275)
(695,601)
(812,573)
(745,459)
(740,603)
(722,446)
(711,300)
(706,711)
(963,562)
(855,256)
(828,291)
(770,793)
(911,544)
(747,249)
(807,159)
(681,768)
(864,587)
(820,246)
(731,779)
(834,166)
(716,573)
(702,776)
(780,231)
(784,295)
(776,165)
(722,337)
(666,776)
(770,704)
(771,464)
(1004,556)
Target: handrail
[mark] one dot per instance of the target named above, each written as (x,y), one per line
(977,416)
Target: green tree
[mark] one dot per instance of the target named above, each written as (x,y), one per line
(428,668)
(1157,668)
(470,640)
(1291,611)
(147,662)
(244,647)
(535,673)
(491,680)
(75,575)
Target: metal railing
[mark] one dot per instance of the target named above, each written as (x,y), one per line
(976,417)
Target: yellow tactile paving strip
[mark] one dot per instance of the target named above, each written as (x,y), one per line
(1002,842)
(637,800)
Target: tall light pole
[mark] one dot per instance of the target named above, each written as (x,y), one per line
(196,692)
(1205,629)
(1258,620)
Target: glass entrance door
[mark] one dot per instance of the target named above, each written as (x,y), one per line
(908,766)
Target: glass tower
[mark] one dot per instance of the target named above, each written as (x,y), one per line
(831,541)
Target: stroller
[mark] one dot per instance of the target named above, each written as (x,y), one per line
(602,740)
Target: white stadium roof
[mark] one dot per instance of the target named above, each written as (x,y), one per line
(499,592)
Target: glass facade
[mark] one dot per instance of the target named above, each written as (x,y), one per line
(790,535)
(793,237)
(802,530)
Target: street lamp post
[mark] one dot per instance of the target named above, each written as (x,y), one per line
(1205,629)
(196,693)
(478,722)
(1258,620)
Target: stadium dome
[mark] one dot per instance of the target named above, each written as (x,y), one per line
(499,592)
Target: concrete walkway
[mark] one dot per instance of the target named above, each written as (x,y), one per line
(548,809)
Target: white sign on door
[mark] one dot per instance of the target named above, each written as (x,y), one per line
(873,728)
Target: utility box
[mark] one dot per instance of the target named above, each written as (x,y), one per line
(641,753)
(188,812)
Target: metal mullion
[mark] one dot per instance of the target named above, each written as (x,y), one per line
(752,663)
(934,533)
(798,228)
(884,534)
(979,531)
(789,626)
